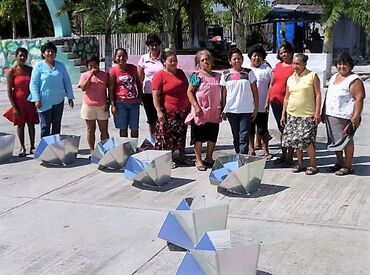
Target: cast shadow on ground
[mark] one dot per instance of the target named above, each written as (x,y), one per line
(260,272)
(172,184)
(84,152)
(263,191)
(77,163)
(16,159)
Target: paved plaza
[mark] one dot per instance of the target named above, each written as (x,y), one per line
(80,220)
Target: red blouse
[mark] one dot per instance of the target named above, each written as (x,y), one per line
(173,89)
(280,75)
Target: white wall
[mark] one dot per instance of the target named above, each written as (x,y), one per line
(317,62)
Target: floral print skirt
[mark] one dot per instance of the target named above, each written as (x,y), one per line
(171,134)
(299,132)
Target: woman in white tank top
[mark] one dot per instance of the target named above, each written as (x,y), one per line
(343,107)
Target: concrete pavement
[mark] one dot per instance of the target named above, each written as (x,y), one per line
(79,220)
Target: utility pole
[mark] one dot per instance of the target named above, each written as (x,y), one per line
(29,18)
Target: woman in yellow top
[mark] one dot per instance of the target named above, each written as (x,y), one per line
(301,113)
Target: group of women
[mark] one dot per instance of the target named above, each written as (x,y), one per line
(171,101)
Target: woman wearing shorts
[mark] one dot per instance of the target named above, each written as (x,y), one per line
(125,92)
(95,105)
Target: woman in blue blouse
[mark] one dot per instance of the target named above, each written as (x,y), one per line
(50,83)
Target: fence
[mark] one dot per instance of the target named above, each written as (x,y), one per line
(134,43)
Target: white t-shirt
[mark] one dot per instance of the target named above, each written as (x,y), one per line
(239,98)
(339,101)
(151,67)
(263,74)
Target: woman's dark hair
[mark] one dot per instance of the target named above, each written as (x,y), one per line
(152,38)
(120,49)
(92,58)
(48,46)
(287,47)
(116,51)
(301,56)
(234,50)
(345,58)
(257,49)
(166,53)
(21,50)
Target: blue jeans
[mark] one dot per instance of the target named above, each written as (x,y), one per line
(240,127)
(128,115)
(51,118)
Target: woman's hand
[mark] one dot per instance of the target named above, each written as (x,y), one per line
(16,111)
(283,121)
(160,116)
(38,104)
(113,109)
(198,111)
(254,114)
(316,119)
(356,121)
(71,103)
(106,109)
(267,106)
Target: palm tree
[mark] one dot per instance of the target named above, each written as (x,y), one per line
(100,11)
(333,11)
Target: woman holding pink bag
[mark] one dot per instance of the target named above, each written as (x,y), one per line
(204,94)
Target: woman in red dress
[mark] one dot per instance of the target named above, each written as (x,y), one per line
(171,101)
(21,111)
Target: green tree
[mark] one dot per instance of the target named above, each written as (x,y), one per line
(12,11)
(333,11)
(104,14)
(244,13)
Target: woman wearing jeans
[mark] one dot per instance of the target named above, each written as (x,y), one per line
(240,98)
(50,83)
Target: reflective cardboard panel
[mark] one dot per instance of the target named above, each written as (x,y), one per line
(150,167)
(192,218)
(6,146)
(238,173)
(58,149)
(147,144)
(113,152)
(218,253)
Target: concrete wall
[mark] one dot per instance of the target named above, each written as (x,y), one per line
(81,47)
(316,62)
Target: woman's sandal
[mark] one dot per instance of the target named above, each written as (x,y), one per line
(208,163)
(201,167)
(298,169)
(22,153)
(268,156)
(32,150)
(333,169)
(311,171)
(344,171)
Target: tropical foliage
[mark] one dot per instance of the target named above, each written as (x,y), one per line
(333,10)
(245,12)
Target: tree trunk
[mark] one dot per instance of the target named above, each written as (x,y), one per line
(108,49)
(240,36)
(328,49)
(14,30)
(197,23)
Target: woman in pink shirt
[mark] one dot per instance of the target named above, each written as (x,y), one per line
(95,105)
(204,93)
